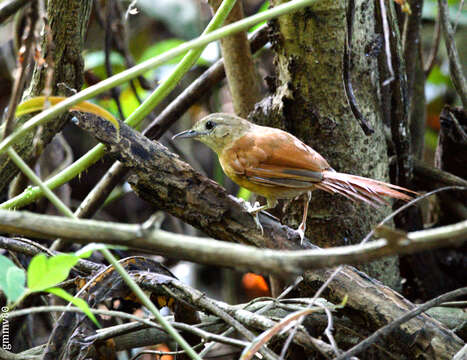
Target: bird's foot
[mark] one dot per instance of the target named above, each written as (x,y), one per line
(254,210)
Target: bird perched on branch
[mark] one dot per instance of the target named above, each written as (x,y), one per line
(275,164)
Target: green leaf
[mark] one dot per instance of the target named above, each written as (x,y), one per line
(437,77)
(16,278)
(244,194)
(162,47)
(431,139)
(80,303)
(95,61)
(12,279)
(129,101)
(45,272)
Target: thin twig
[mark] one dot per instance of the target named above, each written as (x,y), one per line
(8,8)
(404,318)
(24,59)
(455,67)
(159,353)
(431,61)
(313,300)
(241,73)
(277,262)
(367,129)
(202,301)
(110,17)
(387,45)
(365,239)
(261,311)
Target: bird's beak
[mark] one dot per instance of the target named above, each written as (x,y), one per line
(186,134)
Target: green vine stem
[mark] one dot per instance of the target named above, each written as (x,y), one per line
(188,60)
(98,151)
(54,199)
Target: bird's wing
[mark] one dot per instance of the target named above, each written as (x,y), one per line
(274,157)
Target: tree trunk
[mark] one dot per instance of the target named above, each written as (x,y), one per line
(310,101)
(60,74)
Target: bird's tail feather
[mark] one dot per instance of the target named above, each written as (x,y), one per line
(359,188)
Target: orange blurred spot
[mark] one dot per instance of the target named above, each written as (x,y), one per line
(165,348)
(159,347)
(255,285)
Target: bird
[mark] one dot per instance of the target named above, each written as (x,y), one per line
(277,165)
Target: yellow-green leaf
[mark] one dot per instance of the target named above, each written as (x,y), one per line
(44,272)
(38,104)
(75,301)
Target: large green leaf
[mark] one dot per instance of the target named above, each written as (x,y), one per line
(44,272)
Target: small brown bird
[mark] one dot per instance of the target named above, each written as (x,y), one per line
(275,164)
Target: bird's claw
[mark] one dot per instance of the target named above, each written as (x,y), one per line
(258,224)
(254,210)
(301,232)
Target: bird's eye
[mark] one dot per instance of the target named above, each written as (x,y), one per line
(210,125)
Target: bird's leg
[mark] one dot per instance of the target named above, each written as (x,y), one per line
(256,208)
(301,229)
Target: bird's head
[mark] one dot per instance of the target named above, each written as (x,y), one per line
(217,130)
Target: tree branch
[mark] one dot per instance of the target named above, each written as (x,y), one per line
(280,263)
(391,326)
(172,185)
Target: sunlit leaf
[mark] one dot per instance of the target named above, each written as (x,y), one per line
(80,303)
(44,272)
(244,194)
(437,77)
(405,6)
(38,104)
(129,101)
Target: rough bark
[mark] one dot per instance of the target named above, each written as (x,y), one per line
(62,44)
(310,101)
